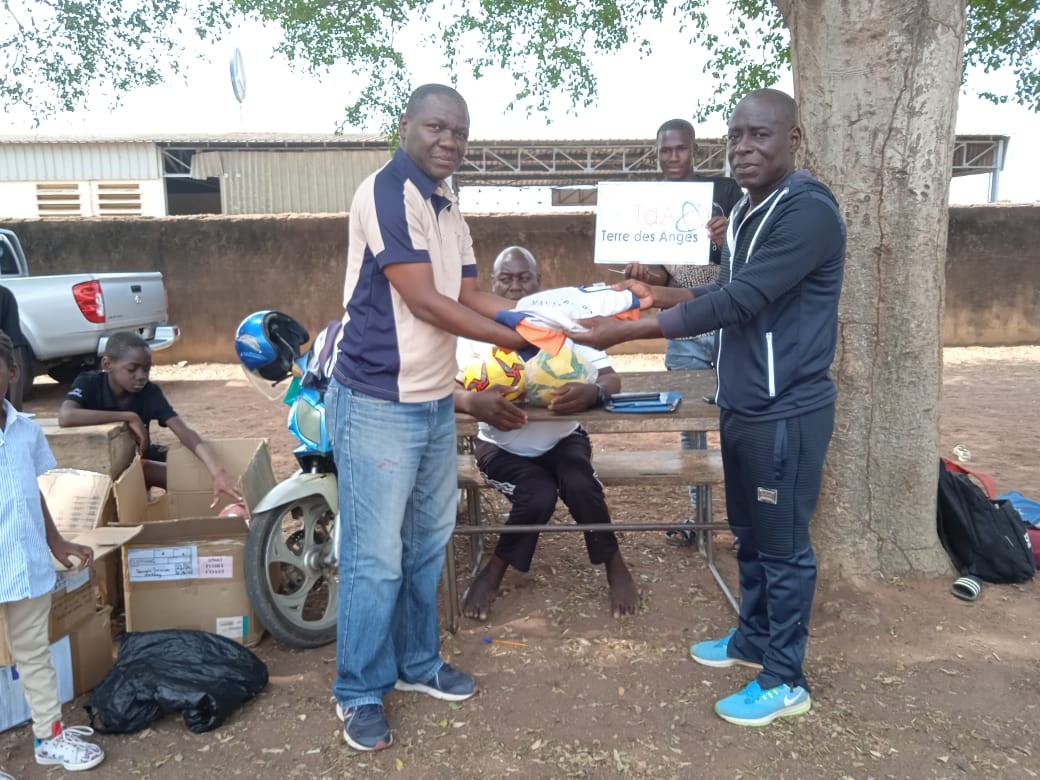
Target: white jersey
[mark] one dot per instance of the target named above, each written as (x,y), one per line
(560,307)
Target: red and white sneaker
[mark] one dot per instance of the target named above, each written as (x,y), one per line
(66,747)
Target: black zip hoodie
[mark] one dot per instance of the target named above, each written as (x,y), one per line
(775,303)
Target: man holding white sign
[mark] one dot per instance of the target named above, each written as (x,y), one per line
(675,149)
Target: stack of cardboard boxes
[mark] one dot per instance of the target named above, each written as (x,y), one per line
(172,562)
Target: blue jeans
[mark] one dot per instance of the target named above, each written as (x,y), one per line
(396,464)
(690,354)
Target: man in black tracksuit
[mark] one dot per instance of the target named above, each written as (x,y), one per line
(776,307)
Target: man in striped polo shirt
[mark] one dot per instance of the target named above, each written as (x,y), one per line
(410,289)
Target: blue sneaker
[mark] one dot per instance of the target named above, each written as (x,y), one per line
(447,684)
(716,653)
(756,707)
(365,727)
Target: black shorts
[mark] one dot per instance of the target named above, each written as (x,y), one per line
(156,452)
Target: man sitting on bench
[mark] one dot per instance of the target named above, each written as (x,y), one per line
(532,464)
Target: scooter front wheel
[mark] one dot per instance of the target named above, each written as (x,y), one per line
(291,574)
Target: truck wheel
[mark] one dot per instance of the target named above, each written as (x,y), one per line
(24,357)
(65,373)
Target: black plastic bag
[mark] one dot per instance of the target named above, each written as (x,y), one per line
(202,675)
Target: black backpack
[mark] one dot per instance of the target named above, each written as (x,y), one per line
(985,538)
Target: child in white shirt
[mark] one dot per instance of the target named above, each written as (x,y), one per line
(28,536)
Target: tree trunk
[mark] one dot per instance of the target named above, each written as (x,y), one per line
(877,84)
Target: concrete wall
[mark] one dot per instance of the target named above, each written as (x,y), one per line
(993,276)
(219,269)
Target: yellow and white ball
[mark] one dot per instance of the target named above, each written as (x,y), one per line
(544,373)
(498,367)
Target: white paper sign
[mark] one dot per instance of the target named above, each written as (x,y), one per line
(233,627)
(157,564)
(662,223)
(216,567)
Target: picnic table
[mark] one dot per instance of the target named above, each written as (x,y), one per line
(668,467)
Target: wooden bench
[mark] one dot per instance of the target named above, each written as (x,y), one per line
(640,468)
(631,468)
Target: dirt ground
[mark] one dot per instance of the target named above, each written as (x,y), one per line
(908,682)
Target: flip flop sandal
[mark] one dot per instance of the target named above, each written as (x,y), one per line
(967,588)
(680,537)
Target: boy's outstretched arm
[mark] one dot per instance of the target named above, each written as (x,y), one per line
(61,548)
(222,481)
(72,415)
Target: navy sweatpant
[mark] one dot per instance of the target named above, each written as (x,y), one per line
(773,474)
(532,485)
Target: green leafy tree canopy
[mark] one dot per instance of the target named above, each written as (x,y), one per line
(54,52)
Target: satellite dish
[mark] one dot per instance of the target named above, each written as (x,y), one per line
(238,76)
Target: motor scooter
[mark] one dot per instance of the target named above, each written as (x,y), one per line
(291,555)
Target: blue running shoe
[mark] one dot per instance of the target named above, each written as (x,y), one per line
(365,727)
(716,653)
(447,684)
(756,707)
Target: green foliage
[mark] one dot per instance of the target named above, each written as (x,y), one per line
(1006,33)
(320,34)
(754,54)
(546,47)
(53,52)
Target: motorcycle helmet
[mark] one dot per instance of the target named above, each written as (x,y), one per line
(267,343)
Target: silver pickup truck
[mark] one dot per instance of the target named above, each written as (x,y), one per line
(67,319)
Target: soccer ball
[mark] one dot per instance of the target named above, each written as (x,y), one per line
(544,373)
(234,510)
(496,366)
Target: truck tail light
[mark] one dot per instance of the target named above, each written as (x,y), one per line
(90,300)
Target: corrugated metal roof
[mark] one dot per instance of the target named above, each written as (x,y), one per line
(73,162)
(278,182)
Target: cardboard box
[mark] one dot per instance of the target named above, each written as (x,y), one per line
(74,599)
(185,569)
(14,709)
(189,487)
(91,649)
(79,501)
(188,573)
(108,448)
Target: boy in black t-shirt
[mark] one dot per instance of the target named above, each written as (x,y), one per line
(121,392)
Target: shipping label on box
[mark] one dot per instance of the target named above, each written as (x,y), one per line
(234,627)
(216,567)
(162,564)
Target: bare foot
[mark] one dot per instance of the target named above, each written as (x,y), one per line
(624,596)
(484,589)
